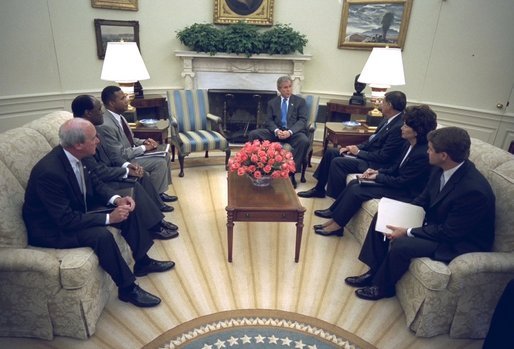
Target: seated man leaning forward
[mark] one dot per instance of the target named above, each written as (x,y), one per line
(55,212)
(403,181)
(459,218)
(286,122)
(381,150)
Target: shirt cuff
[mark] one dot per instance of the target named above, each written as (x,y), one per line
(409,234)
(125,164)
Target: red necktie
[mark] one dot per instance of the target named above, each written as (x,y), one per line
(126,130)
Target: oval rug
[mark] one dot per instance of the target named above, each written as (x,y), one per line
(257,329)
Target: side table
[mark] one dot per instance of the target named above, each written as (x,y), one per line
(159,132)
(151,106)
(340,106)
(338,134)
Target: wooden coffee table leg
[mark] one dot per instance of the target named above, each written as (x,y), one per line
(299,230)
(230,233)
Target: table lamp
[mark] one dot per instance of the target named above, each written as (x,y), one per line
(123,64)
(383,69)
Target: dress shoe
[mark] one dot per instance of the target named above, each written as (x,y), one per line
(138,297)
(164,234)
(373,293)
(168,198)
(322,231)
(360,281)
(166,208)
(323,213)
(152,267)
(312,193)
(318,226)
(168,225)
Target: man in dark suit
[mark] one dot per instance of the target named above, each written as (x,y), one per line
(55,211)
(131,176)
(460,209)
(286,122)
(403,181)
(121,145)
(380,151)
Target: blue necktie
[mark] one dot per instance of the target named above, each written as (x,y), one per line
(284,112)
(373,136)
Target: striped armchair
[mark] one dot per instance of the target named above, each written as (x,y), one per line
(312,103)
(194,129)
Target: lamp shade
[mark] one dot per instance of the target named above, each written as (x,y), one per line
(383,68)
(123,63)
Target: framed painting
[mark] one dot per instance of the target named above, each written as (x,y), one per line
(372,23)
(257,12)
(107,30)
(130,5)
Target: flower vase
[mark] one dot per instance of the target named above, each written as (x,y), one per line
(264,181)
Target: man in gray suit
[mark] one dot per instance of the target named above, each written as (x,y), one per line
(286,122)
(121,145)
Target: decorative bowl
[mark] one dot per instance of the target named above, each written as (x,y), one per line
(351,124)
(148,122)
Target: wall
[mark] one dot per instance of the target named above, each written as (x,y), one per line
(458,55)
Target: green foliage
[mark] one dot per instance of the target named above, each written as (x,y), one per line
(282,39)
(242,38)
(201,38)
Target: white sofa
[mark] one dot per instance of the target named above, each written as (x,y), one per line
(44,292)
(459,298)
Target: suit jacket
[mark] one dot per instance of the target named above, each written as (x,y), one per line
(383,149)
(54,208)
(296,114)
(102,165)
(460,216)
(411,176)
(115,142)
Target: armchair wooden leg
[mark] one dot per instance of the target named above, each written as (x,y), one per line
(227,156)
(172,153)
(181,162)
(304,167)
(206,153)
(309,157)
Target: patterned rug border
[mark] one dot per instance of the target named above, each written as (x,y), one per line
(209,324)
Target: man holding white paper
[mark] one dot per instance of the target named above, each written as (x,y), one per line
(460,210)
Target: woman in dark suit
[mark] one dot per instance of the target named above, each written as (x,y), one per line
(403,181)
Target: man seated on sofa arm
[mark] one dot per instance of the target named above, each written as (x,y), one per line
(55,212)
(459,218)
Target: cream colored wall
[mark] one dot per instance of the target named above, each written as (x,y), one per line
(458,54)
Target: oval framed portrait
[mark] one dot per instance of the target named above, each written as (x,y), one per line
(257,12)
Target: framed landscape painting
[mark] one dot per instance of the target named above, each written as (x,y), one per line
(257,12)
(130,5)
(107,30)
(371,23)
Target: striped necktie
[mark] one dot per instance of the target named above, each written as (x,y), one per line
(82,181)
(126,130)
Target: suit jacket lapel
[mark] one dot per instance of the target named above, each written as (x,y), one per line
(450,185)
(71,177)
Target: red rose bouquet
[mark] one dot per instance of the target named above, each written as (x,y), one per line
(258,160)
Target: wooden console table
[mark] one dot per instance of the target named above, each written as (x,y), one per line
(276,203)
(339,106)
(158,133)
(337,134)
(151,106)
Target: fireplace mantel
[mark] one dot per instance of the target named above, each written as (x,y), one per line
(231,71)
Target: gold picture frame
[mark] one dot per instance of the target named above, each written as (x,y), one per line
(129,5)
(374,23)
(257,12)
(108,30)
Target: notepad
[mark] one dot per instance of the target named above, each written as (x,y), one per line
(398,213)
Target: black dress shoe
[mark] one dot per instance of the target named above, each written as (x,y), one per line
(373,293)
(138,297)
(360,281)
(168,225)
(168,198)
(164,234)
(166,208)
(318,226)
(323,213)
(312,193)
(322,231)
(152,267)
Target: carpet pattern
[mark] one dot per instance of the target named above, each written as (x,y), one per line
(257,328)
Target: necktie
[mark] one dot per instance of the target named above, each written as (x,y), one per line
(284,112)
(82,182)
(126,130)
(441,183)
(373,136)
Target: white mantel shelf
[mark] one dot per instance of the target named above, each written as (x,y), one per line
(234,69)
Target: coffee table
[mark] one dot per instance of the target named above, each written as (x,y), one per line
(276,203)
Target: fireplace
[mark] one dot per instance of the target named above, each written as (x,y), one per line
(240,87)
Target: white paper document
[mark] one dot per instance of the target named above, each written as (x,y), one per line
(398,213)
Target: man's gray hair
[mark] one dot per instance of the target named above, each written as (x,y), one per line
(283,79)
(72,132)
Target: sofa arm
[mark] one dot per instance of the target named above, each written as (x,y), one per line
(466,267)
